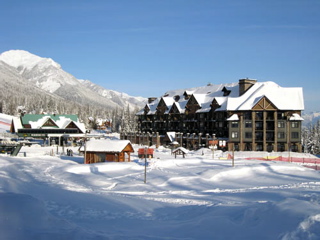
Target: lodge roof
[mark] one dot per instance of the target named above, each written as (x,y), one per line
(283,98)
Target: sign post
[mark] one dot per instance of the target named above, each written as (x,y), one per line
(145,164)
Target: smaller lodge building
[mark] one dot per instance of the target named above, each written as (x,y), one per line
(106,150)
(53,128)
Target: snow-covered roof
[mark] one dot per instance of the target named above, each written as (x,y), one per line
(16,123)
(234,117)
(37,121)
(169,102)
(105,145)
(296,117)
(182,149)
(283,98)
(171,136)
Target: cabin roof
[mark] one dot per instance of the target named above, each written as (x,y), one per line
(107,145)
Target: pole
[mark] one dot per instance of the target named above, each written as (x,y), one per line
(85,146)
(233,155)
(145,165)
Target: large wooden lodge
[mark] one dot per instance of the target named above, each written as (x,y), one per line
(246,116)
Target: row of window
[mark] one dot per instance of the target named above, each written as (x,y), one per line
(48,131)
(259,147)
(221,115)
(248,124)
(269,135)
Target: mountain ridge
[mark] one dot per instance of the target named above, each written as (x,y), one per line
(48,75)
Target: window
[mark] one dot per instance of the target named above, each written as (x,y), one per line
(259,136)
(295,134)
(259,125)
(234,135)
(281,147)
(281,116)
(281,135)
(270,136)
(294,124)
(259,115)
(259,147)
(280,124)
(270,115)
(234,124)
(248,124)
(247,115)
(248,134)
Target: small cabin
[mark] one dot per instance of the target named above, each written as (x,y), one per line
(105,150)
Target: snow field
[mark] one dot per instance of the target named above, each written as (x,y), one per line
(197,197)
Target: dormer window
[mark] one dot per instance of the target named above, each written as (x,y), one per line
(187,95)
(226,92)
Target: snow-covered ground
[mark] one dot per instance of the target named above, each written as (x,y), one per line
(45,194)
(197,197)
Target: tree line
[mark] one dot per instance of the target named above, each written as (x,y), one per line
(311,138)
(123,119)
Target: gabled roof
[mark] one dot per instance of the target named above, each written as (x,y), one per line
(171,136)
(181,149)
(280,97)
(35,117)
(16,124)
(200,98)
(296,117)
(40,123)
(37,121)
(234,117)
(168,102)
(107,145)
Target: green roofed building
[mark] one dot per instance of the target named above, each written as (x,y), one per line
(48,126)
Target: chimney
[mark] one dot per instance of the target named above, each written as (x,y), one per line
(245,84)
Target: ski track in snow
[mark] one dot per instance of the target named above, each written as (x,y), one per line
(185,197)
(178,194)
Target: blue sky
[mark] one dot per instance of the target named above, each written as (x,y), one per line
(146,47)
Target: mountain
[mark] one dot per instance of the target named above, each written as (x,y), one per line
(13,84)
(48,76)
(310,118)
(120,98)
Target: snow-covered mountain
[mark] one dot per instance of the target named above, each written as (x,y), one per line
(311,118)
(48,75)
(118,97)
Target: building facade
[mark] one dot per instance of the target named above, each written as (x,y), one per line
(248,115)
(51,127)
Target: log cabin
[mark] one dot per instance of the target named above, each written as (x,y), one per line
(105,150)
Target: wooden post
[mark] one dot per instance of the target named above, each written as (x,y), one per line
(233,155)
(145,164)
